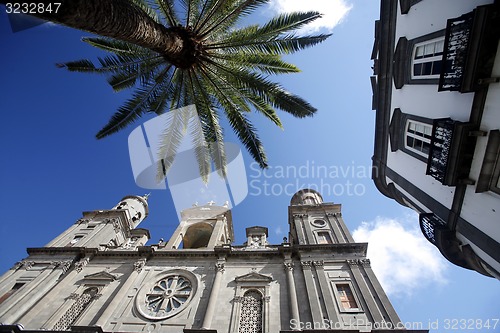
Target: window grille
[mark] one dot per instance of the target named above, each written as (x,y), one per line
(75,310)
(251,313)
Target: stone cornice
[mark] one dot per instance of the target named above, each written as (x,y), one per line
(344,250)
(60,250)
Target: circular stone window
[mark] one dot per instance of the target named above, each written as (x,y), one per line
(318,223)
(166,297)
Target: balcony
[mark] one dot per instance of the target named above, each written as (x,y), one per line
(437,232)
(430,224)
(451,151)
(470,49)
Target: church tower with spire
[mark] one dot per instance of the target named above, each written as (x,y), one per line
(100,276)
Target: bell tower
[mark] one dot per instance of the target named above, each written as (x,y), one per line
(313,221)
(112,228)
(203,227)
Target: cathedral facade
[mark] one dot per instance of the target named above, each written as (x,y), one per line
(99,276)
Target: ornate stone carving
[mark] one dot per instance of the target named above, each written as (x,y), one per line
(139,264)
(73,296)
(299,215)
(365,262)
(166,297)
(257,242)
(318,263)
(27,264)
(305,264)
(63,264)
(18,265)
(116,225)
(361,262)
(288,266)
(237,299)
(219,266)
(81,263)
(131,242)
(267,299)
(352,262)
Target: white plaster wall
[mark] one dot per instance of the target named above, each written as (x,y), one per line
(424,100)
(486,258)
(483,209)
(414,171)
(430,15)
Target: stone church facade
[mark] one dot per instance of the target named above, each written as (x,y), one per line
(99,276)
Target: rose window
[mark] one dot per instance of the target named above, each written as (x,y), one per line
(166,297)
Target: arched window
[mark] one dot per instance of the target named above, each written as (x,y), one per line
(197,236)
(251,312)
(309,200)
(76,309)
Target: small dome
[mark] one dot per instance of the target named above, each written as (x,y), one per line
(306,197)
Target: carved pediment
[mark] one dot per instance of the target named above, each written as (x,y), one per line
(100,276)
(253,277)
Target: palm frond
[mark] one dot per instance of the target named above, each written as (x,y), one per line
(142,4)
(247,134)
(167,8)
(235,10)
(283,45)
(244,96)
(171,138)
(132,109)
(115,46)
(271,92)
(264,62)
(84,66)
(158,106)
(128,77)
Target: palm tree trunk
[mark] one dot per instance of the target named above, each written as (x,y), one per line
(119,19)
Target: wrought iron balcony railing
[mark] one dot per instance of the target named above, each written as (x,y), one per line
(451,151)
(429,224)
(469,49)
(442,136)
(456,45)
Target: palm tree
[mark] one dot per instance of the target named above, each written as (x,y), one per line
(192,52)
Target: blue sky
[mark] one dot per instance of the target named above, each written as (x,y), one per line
(53,168)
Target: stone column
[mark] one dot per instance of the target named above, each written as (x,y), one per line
(326,293)
(214,238)
(7,280)
(292,295)
(118,297)
(173,239)
(266,300)
(311,292)
(46,280)
(391,313)
(63,239)
(299,220)
(207,320)
(365,291)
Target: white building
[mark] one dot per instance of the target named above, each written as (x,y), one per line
(437,139)
(99,276)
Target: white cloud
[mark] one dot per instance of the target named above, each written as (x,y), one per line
(333,12)
(403,260)
(278,231)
